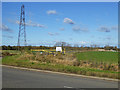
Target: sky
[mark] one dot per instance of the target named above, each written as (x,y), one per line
(82,23)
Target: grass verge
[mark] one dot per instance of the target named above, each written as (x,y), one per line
(11,60)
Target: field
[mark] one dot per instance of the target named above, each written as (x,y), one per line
(92,63)
(98,56)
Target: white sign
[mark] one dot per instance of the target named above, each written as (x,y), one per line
(59,49)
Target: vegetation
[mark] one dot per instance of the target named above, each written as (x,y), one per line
(102,57)
(77,63)
(62,44)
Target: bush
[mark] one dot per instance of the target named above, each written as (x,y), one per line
(7,54)
(76,63)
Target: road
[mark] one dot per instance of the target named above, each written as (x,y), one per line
(16,78)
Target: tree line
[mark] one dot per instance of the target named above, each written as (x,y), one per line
(4,47)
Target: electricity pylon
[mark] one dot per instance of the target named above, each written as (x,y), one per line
(22,32)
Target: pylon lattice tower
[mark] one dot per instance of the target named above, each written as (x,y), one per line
(22,32)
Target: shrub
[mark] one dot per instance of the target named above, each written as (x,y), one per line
(7,54)
(76,63)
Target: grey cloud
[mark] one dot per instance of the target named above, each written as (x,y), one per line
(114,27)
(17,22)
(83,42)
(68,20)
(57,19)
(107,29)
(53,34)
(78,28)
(30,23)
(62,29)
(70,38)
(51,12)
(108,38)
(6,28)
(104,29)
(7,36)
(35,25)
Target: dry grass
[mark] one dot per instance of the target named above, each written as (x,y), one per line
(62,63)
(67,59)
(101,66)
(58,59)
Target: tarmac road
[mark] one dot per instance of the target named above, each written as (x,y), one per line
(16,78)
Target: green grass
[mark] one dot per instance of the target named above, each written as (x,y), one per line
(97,56)
(11,60)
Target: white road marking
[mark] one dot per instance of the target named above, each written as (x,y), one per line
(67,87)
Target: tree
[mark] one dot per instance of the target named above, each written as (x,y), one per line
(76,45)
(9,47)
(60,44)
(4,47)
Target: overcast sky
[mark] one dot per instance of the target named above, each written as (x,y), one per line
(75,23)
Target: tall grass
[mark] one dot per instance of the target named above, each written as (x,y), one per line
(68,59)
(62,63)
(11,60)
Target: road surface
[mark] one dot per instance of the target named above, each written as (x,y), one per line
(16,78)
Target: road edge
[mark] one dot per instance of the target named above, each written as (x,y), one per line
(70,74)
